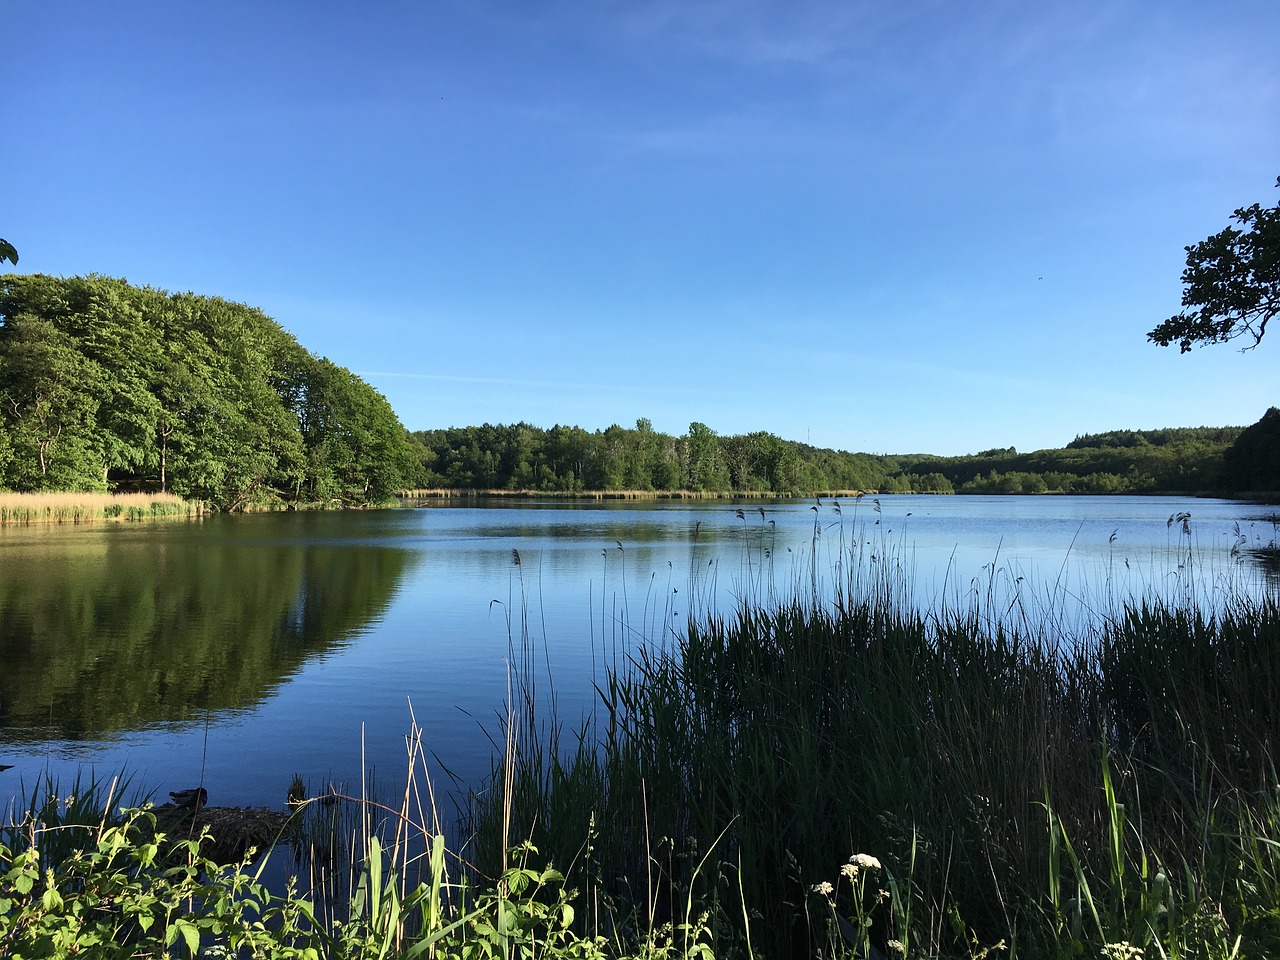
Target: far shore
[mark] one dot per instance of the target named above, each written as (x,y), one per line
(443,493)
(51,507)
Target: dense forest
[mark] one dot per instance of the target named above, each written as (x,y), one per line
(524,457)
(106,385)
(109,386)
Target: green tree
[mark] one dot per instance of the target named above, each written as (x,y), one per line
(110,326)
(1231,284)
(7,251)
(1252,463)
(704,464)
(103,383)
(50,394)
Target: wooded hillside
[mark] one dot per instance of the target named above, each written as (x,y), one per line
(106,385)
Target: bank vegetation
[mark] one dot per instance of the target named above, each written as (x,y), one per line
(108,387)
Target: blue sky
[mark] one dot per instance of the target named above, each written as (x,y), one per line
(889,227)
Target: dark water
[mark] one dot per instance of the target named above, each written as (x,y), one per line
(238,651)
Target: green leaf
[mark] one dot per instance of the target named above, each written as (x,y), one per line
(190,934)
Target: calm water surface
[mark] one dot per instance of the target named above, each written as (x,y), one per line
(239,651)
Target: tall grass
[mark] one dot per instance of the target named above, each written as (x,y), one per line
(1056,785)
(28,508)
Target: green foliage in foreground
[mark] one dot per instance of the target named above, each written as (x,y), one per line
(130,891)
(134,884)
(110,386)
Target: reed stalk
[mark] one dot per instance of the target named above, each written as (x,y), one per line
(792,733)
(836,772)
(33,508)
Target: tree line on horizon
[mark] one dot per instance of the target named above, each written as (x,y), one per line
(570,459)
(109,386)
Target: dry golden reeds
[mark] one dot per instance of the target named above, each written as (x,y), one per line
(85,507)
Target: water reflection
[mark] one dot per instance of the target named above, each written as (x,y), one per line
(119,629)
(303,639)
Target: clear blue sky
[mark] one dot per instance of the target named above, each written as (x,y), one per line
(891,227)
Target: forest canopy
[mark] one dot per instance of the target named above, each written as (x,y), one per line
(562,458)
(109,386)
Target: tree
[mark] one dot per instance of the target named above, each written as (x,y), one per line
(7,251)
(50,392)
(1232,283)
(704,465)
(104,385)
(1252,463)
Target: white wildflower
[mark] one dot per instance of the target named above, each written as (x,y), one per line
(823,888)
(1123,950)
(865,860)
(849,871)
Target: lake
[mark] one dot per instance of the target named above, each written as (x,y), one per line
(239,650)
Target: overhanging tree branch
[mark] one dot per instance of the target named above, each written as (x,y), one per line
(1231,284)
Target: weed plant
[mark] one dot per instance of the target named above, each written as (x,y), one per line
(1026,782)
(81,877)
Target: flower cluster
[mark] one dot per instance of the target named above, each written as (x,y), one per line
(1123,950)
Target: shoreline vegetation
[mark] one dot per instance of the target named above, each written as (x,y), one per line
(76,507)
(440,493)
(27,509)
(826,773)
(523,457)
(80,507)
(109,387)
(72,507)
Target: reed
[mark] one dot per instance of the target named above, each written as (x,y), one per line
(839,772)
(31,508)
(1004,769)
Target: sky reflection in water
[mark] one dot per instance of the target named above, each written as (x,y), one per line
(242,650)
